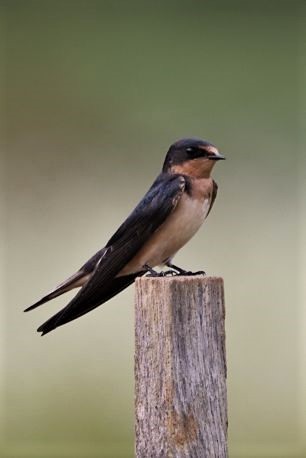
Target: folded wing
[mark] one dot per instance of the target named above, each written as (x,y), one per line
(147,217)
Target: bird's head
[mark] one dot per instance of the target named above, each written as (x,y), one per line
(191,156)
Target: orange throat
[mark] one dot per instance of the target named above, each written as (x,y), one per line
(195,168)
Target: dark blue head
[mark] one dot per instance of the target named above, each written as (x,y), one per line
(191,153)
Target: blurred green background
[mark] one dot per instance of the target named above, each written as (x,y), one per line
(93,94)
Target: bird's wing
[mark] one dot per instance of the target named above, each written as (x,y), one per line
(150,213)
(213,196)
(74,281)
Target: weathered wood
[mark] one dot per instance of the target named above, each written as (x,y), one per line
(180,368)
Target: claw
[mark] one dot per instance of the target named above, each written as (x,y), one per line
(169,273)
(166,273)
(178,272)
(153,273)
(183,272)
(199,272)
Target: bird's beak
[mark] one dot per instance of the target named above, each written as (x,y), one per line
(216,157)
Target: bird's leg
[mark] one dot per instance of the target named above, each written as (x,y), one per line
(182,272)
(153,273)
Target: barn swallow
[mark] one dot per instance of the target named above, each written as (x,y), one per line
(165,219)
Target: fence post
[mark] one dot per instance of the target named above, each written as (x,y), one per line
(180,368)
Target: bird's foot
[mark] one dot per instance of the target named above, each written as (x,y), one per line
(153,273)
(174,272)
(169,273)
(183,272)
(190,274)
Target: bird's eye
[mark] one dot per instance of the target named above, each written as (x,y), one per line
(194,152)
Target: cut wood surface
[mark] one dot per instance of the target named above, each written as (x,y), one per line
(180,368)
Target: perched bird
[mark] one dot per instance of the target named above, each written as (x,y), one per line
(165,219)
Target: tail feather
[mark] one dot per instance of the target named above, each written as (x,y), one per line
(69,313)
(76,280)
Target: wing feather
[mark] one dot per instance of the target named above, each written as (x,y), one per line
(150,213)
(213,196)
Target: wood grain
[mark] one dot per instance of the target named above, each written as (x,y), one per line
(180,368)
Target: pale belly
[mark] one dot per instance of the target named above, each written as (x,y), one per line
(178,229)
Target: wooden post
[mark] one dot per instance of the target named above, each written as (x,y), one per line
(180,368)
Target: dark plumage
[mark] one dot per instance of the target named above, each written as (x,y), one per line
(168,215)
